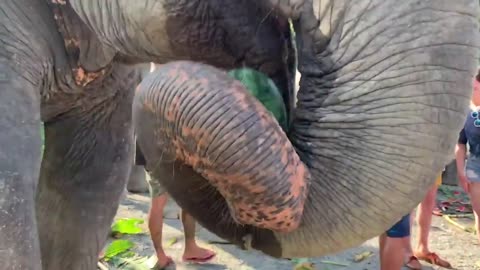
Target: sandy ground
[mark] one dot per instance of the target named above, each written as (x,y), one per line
(460,247)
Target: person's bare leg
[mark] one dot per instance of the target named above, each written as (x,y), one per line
(424,220)
(155,225)
(392,254)
(475,199)
(192,251)
(411,261)
(407,240)
(381,243)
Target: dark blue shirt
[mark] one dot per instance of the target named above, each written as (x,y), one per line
(471,134)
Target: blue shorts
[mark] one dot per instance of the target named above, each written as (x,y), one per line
(472,169)
(401,228)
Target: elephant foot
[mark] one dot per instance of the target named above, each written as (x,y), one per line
(137,182)
(19,248)
(73,229)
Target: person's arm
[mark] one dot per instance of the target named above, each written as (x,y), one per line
(460,156)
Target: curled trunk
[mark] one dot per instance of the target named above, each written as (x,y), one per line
(384,90)
(211,124)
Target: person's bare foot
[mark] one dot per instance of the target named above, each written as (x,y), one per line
(163,261)
(412,262)
(196,254)
(433,258)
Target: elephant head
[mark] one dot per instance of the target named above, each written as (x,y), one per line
(225,34)
(384,91)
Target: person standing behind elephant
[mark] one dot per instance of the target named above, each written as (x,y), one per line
(469,171)
(392,244)
(265,91)
(424,222)
(192,253)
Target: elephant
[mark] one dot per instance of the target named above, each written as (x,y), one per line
(137,181)
(74,65)
(383,91)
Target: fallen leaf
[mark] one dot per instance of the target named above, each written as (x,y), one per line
(299,260)
(151,261)
(101,266)
(135,263)
(304,266)
(116,235)
(117,247)
(335,263)
(362,256)
(126,226)
(172,241)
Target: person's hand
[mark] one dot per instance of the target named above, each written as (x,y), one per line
(463,181)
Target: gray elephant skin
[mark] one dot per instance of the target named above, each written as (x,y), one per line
(384,91)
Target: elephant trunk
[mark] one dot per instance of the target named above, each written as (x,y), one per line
(384,91)
(212,124)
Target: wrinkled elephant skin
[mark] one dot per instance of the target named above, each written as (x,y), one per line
(73,65)
(384,91)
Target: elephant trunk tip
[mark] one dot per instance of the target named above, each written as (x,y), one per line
(283,211)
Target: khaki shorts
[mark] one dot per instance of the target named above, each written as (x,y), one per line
(155,187)
(438,182)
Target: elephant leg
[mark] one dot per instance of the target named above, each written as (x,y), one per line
(20,155)
(137,182)
(87,160)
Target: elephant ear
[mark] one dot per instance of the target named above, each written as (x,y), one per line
(265,90)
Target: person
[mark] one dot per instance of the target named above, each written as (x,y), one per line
(468,168)
(192,252)
(265,91)
(392,244)
(424,222)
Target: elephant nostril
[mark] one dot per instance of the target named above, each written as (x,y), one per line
(279,220)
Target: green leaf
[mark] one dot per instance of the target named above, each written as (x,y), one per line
(127,226)
(127,254)
(117,247)
(172,241)
(135,263)
(304,266)
(299,260)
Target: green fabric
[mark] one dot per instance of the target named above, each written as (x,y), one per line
(265,90)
